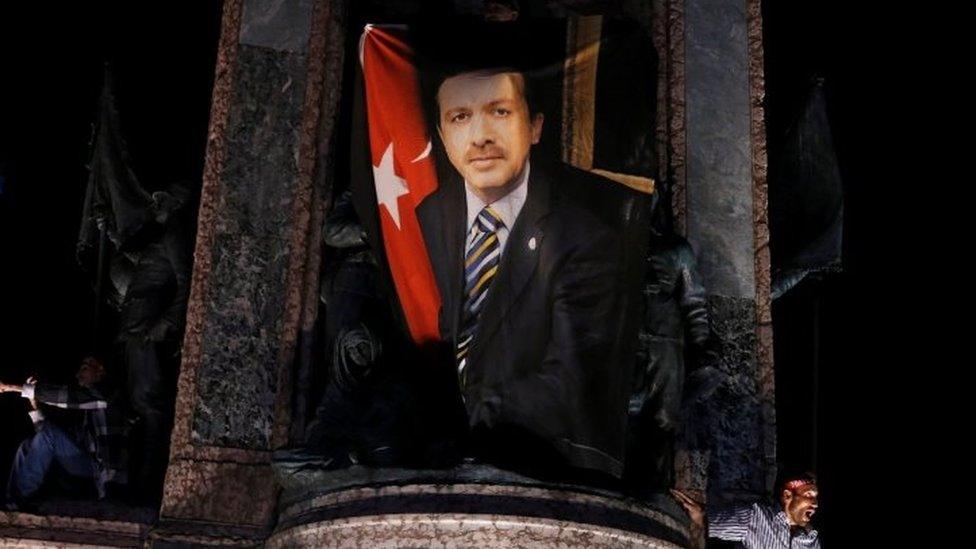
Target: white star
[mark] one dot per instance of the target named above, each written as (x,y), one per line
(389,186)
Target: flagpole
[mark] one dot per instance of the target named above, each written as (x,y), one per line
(102,228)
(99,277)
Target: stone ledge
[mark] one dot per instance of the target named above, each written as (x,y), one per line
(469,505)
(459,530)
(18,529)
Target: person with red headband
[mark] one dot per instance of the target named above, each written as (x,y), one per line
(762,526)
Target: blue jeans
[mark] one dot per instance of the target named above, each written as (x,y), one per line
(36,455)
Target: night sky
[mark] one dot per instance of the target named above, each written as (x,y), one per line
(843,335)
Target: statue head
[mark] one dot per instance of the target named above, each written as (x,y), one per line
(166,202)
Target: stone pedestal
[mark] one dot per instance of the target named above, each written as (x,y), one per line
(70,526)
(469,506)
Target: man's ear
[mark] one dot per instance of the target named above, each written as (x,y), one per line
(785,496)
(537,127)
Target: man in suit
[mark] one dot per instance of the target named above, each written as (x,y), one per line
(528,261)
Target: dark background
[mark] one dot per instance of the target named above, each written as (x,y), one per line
(833,385)
(162,57)
(842,356)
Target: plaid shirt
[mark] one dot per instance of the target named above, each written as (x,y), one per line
(102,431)
(759,526)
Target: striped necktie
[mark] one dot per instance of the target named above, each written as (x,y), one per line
(480,265)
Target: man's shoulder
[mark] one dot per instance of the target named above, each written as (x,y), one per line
(568,180)
(592,197)
(427,202)
(763,508)
(448,194)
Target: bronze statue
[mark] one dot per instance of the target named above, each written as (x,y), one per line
(356,419)
(151,325)
(676,348)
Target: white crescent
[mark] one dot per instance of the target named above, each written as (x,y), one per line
(424,154)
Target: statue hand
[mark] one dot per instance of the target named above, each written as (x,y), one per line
(354,356)
(158,332)
(702,383)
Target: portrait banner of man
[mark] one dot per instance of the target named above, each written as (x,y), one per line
(516,271)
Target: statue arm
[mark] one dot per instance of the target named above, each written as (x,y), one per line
(178,253)
(342,227)
(692,299)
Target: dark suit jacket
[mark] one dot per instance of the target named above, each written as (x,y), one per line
(547,368)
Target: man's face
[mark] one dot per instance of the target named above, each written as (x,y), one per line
(89,373)
(800,504)
(487,129)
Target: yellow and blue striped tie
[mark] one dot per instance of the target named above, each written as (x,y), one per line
(480,265)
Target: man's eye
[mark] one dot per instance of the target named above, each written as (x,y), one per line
(460,117)
(502,112)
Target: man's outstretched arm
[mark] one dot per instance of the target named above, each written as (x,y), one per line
(72,397)
(36,415)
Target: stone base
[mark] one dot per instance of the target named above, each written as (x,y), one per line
(359,506)
(29,530)
(458,530)
(181,534)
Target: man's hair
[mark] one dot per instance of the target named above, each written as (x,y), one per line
(94,365)
(444,49)
(437,78)
(793,477)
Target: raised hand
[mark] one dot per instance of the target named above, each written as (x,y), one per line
(693,508)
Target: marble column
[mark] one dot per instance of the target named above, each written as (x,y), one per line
(717,159)
(255,252)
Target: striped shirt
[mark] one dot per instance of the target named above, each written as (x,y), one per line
(759,526)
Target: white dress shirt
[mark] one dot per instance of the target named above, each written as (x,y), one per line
(507,207)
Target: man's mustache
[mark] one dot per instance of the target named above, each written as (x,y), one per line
(484,154)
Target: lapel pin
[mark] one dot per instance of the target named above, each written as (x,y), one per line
(532,243)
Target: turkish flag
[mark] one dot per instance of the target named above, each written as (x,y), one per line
(403,171)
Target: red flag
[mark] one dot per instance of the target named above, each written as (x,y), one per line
(403,171)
